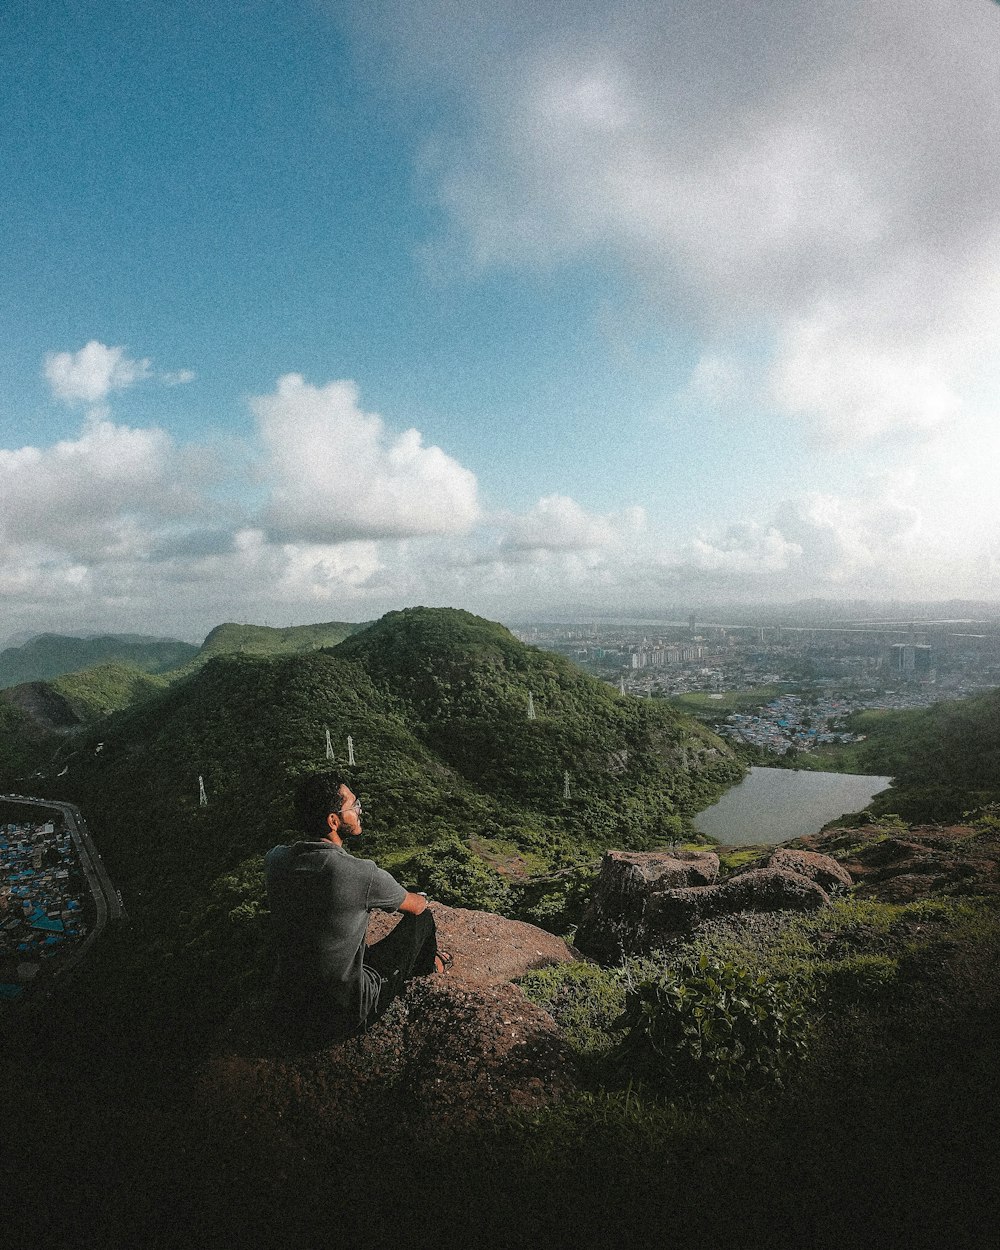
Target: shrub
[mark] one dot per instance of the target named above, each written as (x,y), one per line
(452,874)
(705,1022)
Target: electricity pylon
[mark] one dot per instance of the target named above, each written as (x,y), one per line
(350,749)
(329,746)
(202,796)
(531,706)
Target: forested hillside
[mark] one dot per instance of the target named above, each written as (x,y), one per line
(51,655)
(435,702)
(945,759)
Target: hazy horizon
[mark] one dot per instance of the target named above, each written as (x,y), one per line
(328,309)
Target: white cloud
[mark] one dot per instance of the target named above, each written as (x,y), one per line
(822,177)
(338,474)
(91,374)
(178,377)
(558,523)
(82,495)
(868,542)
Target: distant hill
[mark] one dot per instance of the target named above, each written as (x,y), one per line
(52,655)
(76,699)
(230,639)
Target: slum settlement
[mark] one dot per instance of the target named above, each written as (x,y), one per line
(44,901)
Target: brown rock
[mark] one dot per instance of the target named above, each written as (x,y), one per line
(761,889)
(458,1047)
(448,1048)
(614,920)
(487,949)
(823,869)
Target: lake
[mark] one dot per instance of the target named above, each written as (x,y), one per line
(775,804)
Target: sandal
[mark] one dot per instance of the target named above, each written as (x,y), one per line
(445,959)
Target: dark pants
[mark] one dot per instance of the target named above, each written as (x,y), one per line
(408,951)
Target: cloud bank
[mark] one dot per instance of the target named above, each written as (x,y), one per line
(824,177)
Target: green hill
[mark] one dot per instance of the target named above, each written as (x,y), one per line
(945,759)
(52,655)
(436,704)
(230,639)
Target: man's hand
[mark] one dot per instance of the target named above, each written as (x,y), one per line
(414,904)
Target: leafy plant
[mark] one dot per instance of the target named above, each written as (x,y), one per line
(706,1022)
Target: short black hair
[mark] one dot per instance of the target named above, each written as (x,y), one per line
(316,796)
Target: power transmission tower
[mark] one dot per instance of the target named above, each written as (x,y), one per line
(621,685)
(329,746)
(202,796)
(531,706)
(350,749)
(566,784)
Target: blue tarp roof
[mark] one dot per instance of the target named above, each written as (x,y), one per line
(44,922)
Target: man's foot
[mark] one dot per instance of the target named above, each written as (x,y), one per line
(443,961)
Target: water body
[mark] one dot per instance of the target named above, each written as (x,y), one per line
(774,804)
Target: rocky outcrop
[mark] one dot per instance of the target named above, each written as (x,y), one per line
(760,889)
(614,922)
(487,949)
(448,1049)
(644,900)
(459,1046)
(823,869)
(920,862)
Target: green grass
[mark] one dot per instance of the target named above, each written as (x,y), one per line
(703,703)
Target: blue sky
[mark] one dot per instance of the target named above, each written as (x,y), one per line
(314,310)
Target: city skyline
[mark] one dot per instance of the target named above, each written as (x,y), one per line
(319,310)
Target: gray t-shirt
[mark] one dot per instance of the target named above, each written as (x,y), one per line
(320,897)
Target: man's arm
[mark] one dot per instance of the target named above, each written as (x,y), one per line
(414,904)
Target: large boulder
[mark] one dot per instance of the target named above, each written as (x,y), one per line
(487,949)
(448,1049)
(823,869)
(460,1046)
(760,889)
(614,922)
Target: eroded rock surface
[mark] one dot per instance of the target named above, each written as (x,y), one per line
(643,900)
(458,1046)
(448,1048)
(823,869)
(760,889)
(614,922)
(487,949)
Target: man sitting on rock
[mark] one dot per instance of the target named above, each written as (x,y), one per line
(329,984)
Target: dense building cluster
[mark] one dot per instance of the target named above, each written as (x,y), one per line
(42,892)
(788,722)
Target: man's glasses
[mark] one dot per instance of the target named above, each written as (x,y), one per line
(354,807)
